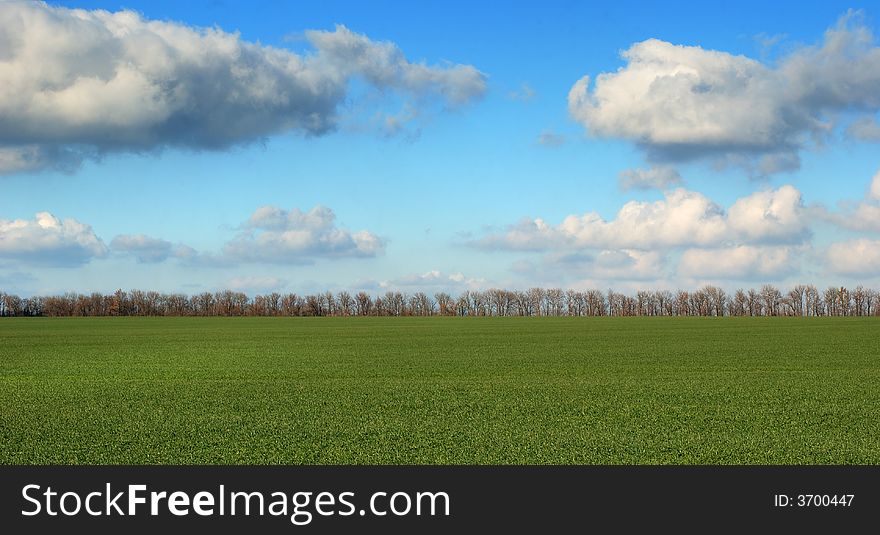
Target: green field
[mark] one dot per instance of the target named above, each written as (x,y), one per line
(440,390)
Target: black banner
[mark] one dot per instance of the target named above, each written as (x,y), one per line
(436,499)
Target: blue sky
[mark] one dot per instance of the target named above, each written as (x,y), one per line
(444,179)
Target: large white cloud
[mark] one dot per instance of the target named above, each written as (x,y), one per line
(275,235)
(682,218)
(80,83)
(769,216)
(683,103)
(47,240)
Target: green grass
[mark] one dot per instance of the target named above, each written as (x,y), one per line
(440,390)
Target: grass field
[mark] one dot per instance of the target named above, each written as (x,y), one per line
(440,390)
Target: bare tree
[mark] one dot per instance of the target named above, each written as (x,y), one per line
(536,300)
(797,298)
(554,302)
(363,304)
(772,299)
(421,305)
(596,305)
(859,298)
(345,303)
(716,301)
(444,303)
(523,304)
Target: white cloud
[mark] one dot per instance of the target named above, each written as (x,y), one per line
(274,235)
(682,218)
(769,216)
(80,83)
(860,257)
(656,177)
(682,103)
(47,240)
(740,262)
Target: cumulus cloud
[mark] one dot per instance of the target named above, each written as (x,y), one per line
(79,84)
(682,218)
(275,235)
(656,177)
(740,262)
(47,240)
(769,216)
(683,103)
(860,257)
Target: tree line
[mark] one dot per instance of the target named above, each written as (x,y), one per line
(768,300)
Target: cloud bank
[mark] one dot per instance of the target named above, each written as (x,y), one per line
(49,241)
(760,235)
(682,218)
(270,236)
(79,84)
